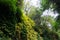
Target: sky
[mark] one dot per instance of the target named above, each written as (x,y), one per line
(50,12)
(33,2)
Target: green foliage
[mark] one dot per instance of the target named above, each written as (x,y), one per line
(26,29)
(49,19)
(42,23)
(7,17)
(10,14)
(44,4)
(15,25)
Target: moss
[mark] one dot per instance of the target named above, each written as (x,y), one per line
(26,28)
